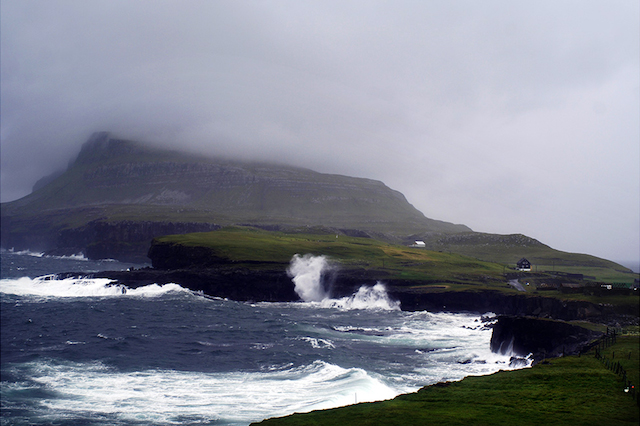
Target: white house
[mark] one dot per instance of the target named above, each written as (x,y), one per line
(419,244)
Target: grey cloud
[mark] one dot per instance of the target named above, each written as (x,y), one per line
(505,116)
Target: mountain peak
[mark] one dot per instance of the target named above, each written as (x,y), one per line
(102,145)
(114,180)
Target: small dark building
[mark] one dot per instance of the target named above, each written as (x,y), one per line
(523,265)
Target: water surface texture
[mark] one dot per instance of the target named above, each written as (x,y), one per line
(84,351)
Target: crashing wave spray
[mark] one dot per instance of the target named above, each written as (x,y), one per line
(366,297)
(306,273)
(48,286)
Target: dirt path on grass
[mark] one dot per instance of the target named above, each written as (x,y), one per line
(516,284)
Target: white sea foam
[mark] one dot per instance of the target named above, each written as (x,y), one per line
(319,343)
(50,286)
(24,252)
(77,256)
(444,347)
(439,360)
(366,297)
(167,396)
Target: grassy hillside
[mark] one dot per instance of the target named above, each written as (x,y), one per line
(508,249)
(249,245)
(424,267)
(563,391)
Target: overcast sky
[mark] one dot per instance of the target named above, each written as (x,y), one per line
(506,116)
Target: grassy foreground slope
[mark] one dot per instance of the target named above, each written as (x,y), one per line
(563,391)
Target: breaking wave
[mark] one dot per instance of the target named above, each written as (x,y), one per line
(366,297)
(49,286)
(307,272)
(158,396)
(77,256)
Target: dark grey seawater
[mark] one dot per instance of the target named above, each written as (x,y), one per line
(31,264)
(84,352)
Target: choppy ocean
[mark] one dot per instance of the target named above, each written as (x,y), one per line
(85,352)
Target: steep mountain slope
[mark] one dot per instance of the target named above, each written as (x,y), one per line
(119,194)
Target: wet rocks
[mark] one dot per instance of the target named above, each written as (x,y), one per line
(543,338)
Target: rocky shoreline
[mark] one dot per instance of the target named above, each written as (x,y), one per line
(526,324)
(540,338)
(274,285)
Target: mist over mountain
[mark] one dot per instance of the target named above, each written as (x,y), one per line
(119,194)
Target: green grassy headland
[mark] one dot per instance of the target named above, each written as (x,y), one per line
(248,245)
(421,269)
(562,391)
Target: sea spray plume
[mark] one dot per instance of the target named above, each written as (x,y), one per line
(306,273)
(366,297)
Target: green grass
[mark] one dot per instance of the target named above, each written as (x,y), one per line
(625,351)
(508,249)
(600,274)
(424,270)
(565,391)
(244,245)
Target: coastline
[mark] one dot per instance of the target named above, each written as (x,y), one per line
(527,324)
(518,330)
(271,283)
(566,390)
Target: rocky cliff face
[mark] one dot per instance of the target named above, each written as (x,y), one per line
(501,303)
(241,284)
(542,338)
(125,240)
(128,239)
(199,269)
